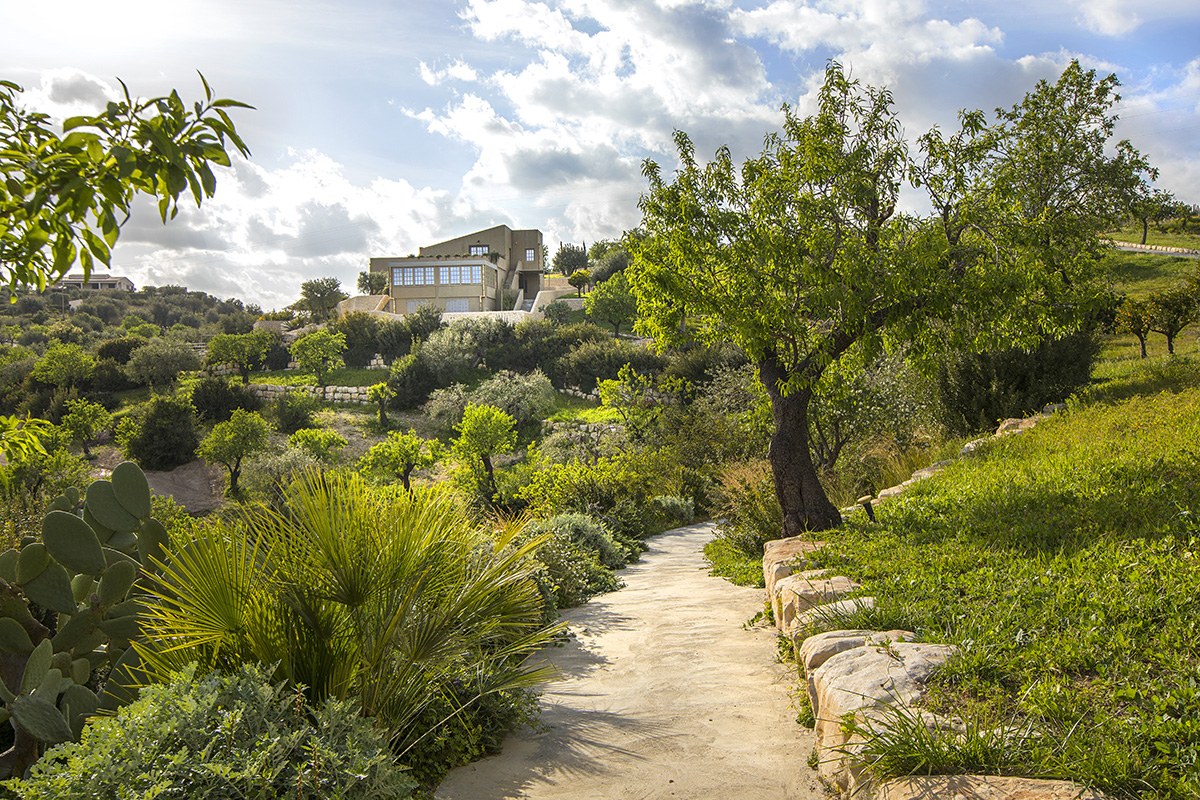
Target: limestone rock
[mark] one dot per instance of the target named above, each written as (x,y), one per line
(865,679)
(816,650)
(981,787)
(797,593)
(780,553)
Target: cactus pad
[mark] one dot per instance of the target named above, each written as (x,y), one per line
(52,589)
(116,582)
(31,562)
(72,543)
(131,489)
(108,511)
(41,719)
(14,638)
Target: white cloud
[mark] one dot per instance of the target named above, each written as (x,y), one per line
(1108,17)
(458,71)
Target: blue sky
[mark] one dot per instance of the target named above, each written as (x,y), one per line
(381,126)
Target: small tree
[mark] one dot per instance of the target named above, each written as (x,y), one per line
(484,432)
(319,352)
(159,363)
(400,454)
(64,365)
(323,445)
(372,283)
(557,311)
(245,350)
(320,295)
(382,395)
(570,258)
(244,434)
(612,302)
(1169,312)
(1133,316)
(579,279)
(83,421)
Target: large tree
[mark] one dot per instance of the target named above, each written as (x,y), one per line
(800,256)
(320,295)
(246,351)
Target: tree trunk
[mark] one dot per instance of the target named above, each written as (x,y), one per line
(404,477)
(797,484)
(1142,342)
(1145,228)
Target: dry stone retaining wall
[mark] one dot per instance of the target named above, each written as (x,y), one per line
(334,394)
(864,677)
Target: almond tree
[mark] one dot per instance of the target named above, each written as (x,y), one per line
(799,256)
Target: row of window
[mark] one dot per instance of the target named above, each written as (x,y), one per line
(447,276)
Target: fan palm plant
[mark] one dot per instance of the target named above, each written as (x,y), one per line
(393,598)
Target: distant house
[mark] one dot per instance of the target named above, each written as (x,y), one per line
(94,281)
(469,273)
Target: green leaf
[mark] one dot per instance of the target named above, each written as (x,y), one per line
(72,543)
(131,489)
(41,718)
(52,589)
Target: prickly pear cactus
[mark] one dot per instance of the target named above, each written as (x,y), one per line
(89,566)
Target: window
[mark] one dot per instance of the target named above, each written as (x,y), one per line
(530,255)
(458,305)
(412,276)
(479,250)
(456,275)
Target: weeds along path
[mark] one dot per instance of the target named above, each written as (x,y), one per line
(662,693)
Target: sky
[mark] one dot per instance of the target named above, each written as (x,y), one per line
(384,125)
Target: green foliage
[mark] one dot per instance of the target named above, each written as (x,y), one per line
(588,534)
(221,736)
(158,363)
(570,258)
(74,656)
(484,432)
(319,352)
(362,336)
(556,311)
(749,508)
(392,599)
(612,302)
(63,197)
(727,560)
(319,296)
(613,262)
(809,230)
(247,351)
(293,411)
(411,381)
(84,420)
(323,444)
(525,398)
(571,573)
(595,361)
(579,279)
(1169,312)
(998,555)
(372,283)
(119,350)
(399,455)
(979,389)
(231,441)
(215,399)
(160,435)
(64,365)
(1133,316)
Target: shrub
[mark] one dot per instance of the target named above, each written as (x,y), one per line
(750,509)
(109,377)
(270,474)
(161,435)
(278,357)
(222,736)
(596,361)
(540,344)
(673,511)
(587,533)
(525,398)
(411,381)
(978,389)
(557,311)
(362,336)
(119,350)
(572,574)
(293,411)
(323,445)
(215,399)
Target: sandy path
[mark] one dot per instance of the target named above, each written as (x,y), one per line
(662,694)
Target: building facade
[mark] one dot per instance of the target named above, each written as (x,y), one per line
(94,282)
(468,273)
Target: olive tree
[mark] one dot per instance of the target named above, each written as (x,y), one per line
(399,455)
(243,434)
(319,352)
(244,350)
(800,255)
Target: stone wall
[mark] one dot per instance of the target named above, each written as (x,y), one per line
(356,395)
(859,679)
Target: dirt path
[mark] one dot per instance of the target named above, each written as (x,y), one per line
(663,694)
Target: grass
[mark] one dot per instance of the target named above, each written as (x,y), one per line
(1141,274)
(1133,235)
(726,560)
(337,377)
(575,409)
(1065,563)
